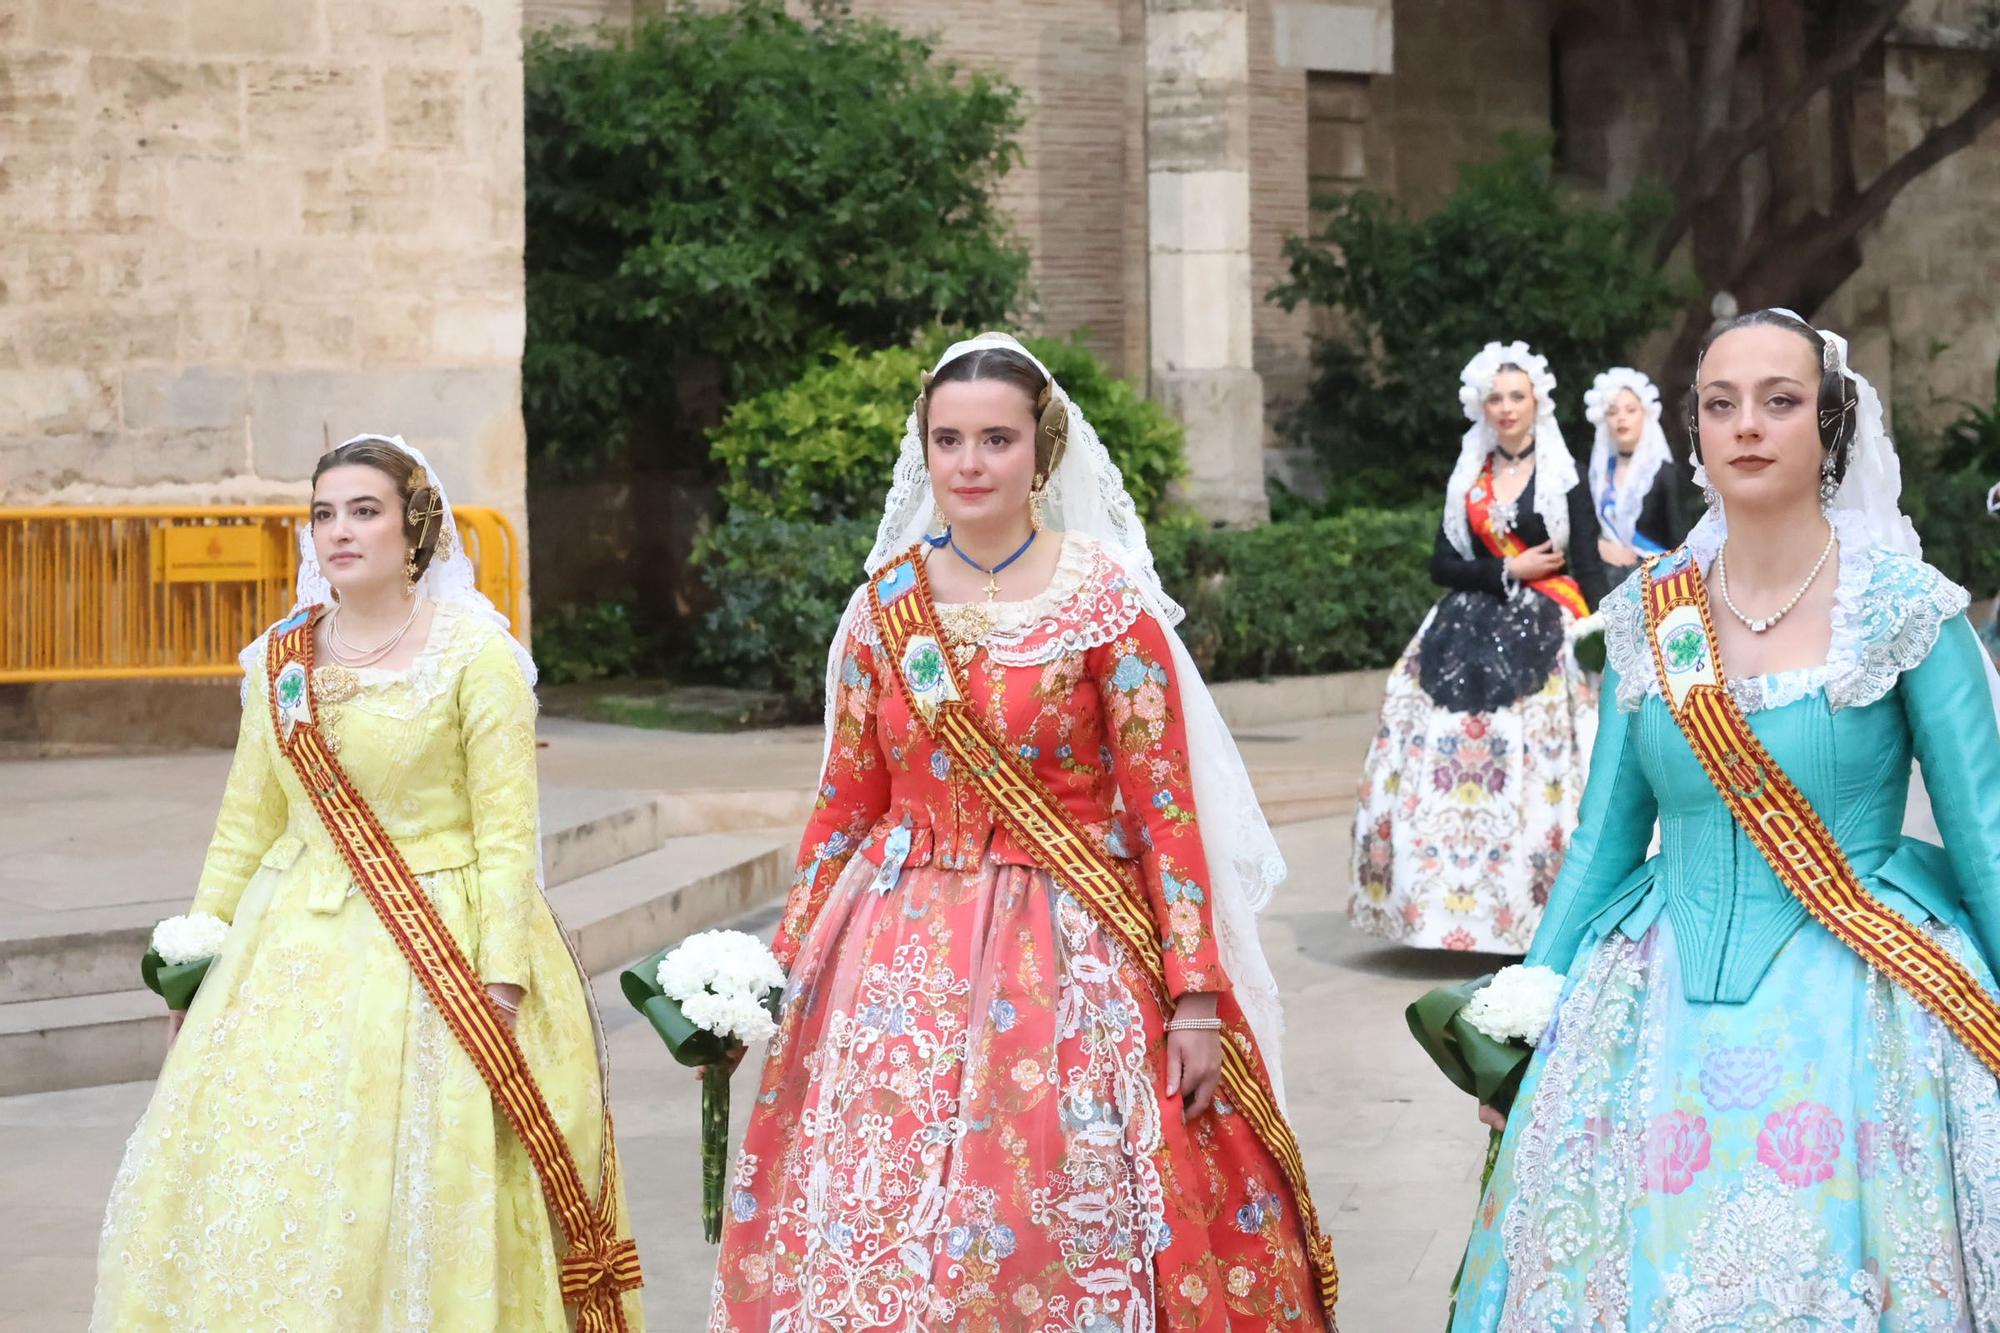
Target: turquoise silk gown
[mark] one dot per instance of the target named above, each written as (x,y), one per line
(1733,1122)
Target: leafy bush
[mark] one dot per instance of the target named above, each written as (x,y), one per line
(1341,593)
(1331,594)
(822,447)
(779,590)
(591,642)
(716,194)
(1960,537)
(1508,256)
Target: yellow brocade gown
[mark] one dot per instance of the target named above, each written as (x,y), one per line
(319,1153)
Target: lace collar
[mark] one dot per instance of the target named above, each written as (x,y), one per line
(1090,600)
(1887,612)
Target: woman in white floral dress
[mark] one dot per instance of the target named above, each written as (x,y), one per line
(1470,787)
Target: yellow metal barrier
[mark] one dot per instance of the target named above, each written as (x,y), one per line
(144,591)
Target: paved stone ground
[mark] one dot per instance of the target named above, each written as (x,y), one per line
(1392,1149)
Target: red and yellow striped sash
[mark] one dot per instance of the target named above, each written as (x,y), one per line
(600,1264)
(1561,589)
(906,616)
(1786,830)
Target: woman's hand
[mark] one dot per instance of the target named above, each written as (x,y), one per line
(1492,1119)
(727,1067)
(1535,563)
(175,1017)
(1614,552)
(506,997)
(1194,1058)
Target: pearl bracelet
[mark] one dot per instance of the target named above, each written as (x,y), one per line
(1194,1025)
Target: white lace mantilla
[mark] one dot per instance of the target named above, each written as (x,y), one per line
(1089,602)
(1888,610)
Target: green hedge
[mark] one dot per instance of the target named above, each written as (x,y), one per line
(822,447)
(1300,598)
(1343,593)
(779,589)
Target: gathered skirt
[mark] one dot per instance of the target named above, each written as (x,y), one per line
(319,1152)
(961,1126)
(1472,783)
(1825,1156)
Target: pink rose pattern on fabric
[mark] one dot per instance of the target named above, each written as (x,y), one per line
(1801,1143)
(1676,1151)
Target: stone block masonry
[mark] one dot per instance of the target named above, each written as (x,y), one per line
(240,229)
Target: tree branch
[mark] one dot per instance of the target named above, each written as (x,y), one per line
(1724,40)
(1809,243)
(1716,155)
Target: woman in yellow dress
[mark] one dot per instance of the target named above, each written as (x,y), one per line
(321,1151)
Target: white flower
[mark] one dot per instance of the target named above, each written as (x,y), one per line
(720,978)
(1579,630)
(190,938)
(1518,1004)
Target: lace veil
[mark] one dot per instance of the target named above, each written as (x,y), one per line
(1086,494)
(1555,470)
(1646,461)
(1869,500)
(448,579)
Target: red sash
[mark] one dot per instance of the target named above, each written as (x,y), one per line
(1787,832)
(1558,588)
(600,1264)
(913,640)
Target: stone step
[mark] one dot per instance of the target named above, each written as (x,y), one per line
(616,915)
(96,950)
(632,909)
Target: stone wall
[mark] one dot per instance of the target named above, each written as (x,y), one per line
(238,230)
(1933,268)
(1465,72)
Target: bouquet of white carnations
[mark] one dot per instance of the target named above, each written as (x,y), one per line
(1586,641)
(706,996)
(182,949)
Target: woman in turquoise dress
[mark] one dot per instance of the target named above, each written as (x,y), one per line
(1734,1122)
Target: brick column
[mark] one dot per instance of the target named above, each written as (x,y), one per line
(1201,301)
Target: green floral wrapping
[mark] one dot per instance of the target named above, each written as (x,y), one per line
(1490,1070)
(694,1047)
(1590,651)
(175,983)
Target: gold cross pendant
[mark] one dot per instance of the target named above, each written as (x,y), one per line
(992,587)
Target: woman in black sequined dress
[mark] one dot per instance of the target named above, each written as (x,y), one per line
(1470,788)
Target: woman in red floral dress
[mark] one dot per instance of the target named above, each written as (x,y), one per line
(980,1111)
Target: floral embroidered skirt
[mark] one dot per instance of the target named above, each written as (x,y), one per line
(1465,811)
(961,1126)
(1825,1156)
(320,1153)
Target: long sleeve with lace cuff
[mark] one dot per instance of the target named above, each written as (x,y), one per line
(1614,826)
(252,815)
(1958,749)
(1142,714)
(497,709)
(853,794)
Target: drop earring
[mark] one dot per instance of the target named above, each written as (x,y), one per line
(410,574)
(1829,485)
(1037,503)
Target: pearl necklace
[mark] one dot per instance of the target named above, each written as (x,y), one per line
(348,655)
(1759,626)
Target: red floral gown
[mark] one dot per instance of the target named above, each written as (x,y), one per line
(962,1122)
